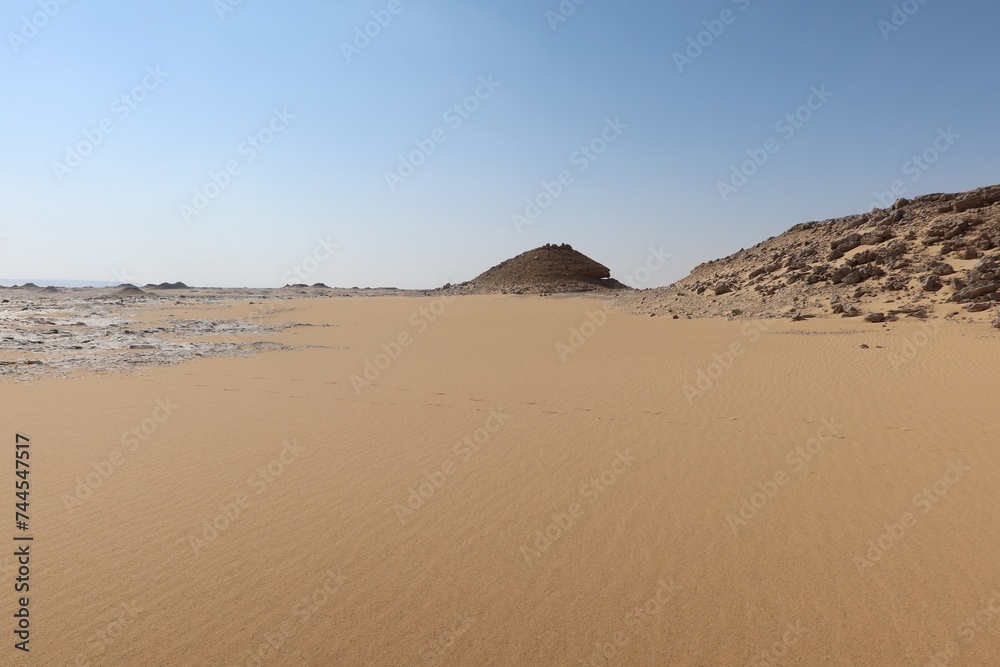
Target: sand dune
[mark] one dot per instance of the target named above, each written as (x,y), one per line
(492,480)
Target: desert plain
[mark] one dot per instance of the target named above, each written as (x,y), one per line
(506,480)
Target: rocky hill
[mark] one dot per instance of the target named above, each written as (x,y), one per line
(547,270)
(938,253)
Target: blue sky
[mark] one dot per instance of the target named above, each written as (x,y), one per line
(309,128)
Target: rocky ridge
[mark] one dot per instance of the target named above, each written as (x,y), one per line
(938,252)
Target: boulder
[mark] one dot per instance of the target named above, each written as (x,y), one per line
(942,269)
(975,291)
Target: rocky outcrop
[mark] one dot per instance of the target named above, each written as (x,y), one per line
(933,249)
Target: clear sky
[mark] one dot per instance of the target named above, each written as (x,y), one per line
(308,115)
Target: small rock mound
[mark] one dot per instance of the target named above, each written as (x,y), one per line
(130,290)
(549,269)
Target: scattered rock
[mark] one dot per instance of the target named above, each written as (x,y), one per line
(942,269)
(931,284)
(850,311)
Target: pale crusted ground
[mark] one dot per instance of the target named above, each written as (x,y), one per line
(711,491)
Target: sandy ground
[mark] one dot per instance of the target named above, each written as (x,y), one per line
(508,492)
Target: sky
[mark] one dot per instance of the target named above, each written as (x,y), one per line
(412,143)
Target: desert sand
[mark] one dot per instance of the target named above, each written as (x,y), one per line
(523,481)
